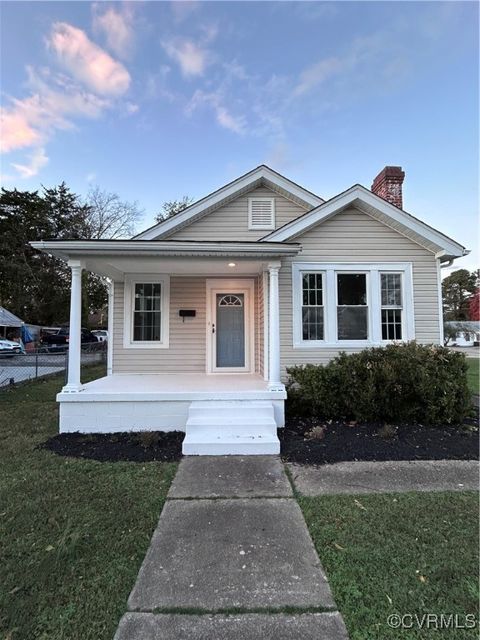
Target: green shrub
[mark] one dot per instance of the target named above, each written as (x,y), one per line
(399,383)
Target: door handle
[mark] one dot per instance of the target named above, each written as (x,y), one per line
(213,328)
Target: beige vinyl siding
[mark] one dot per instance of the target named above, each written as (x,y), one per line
(186,350)
(187,346)
(353,236)
(231,221)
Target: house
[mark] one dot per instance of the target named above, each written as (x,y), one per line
(463,333)
(208,308)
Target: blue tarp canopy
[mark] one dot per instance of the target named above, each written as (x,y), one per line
(8,319)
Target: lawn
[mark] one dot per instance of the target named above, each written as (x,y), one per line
(73,532)
(401,554)
(473,374)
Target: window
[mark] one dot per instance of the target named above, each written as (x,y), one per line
(341,305)
(146,309)
(147,313)
(261,213)
(312,306)
(391,296)
(352,310)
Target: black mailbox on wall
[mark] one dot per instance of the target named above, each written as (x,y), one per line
(187,313)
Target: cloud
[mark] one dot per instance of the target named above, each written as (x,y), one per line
(191,57)
(91,177)
(37,160)
(318,73)
(87,62)
(117,27)
(54,100)
(223,116)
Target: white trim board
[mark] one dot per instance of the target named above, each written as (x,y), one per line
(227,192)
(330,302)
(348,198)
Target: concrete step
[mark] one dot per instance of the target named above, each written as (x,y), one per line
(227,409)
(229,444)
(238,427)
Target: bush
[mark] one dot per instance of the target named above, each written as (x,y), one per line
(399,383)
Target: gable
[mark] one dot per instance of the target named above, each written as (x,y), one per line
(379,209)
(262,176)
(231,221)
(353,234)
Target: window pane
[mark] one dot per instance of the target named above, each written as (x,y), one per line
(312,323)
(391,324)
(352,288)
(352,323)
(391,289)
(312,289)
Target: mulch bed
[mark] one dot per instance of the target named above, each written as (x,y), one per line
(151,446)
(338,442)
(350,441)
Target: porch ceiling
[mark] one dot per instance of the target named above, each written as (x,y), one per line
(114,258)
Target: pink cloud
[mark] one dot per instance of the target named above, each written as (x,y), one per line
(36,161)
(17,133)
(87,62)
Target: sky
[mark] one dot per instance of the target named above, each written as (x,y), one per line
(157,100)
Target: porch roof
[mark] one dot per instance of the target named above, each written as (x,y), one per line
(114,258)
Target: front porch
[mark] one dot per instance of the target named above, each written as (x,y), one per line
(194,343)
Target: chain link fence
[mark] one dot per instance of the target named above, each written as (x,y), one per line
(44,362)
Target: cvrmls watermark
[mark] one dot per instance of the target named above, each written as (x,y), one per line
(432,621)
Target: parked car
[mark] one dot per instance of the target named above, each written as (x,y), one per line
(9,348)
(101,335)
(58,340)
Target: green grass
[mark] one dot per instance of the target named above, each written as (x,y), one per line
(473,374)
(73,533)
(406,553)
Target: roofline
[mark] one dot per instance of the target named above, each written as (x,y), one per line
(66,248)
(262,171)
(358,191)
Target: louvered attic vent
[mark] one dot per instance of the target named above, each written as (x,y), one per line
(261,213)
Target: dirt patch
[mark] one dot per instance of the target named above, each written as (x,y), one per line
(149,446)
(312,441)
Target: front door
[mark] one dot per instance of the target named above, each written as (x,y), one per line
(229,328)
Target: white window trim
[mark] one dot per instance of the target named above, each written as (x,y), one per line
(253,227)
(373,270)
(129,289)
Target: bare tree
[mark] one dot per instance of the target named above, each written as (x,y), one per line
(172,207)
(110,217)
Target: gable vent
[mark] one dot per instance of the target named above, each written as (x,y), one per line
(261,213)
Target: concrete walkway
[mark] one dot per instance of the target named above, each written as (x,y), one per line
(384,477)
(230,552)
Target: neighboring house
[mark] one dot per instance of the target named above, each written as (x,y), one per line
(208,308)
(466,332)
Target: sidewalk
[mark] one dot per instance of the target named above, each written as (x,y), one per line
(231,558)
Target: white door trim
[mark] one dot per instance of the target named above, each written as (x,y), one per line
(240,285)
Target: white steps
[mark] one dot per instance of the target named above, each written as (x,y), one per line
(231,427)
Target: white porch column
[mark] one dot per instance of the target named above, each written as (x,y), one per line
(74,339)
(274,382)
(111,290)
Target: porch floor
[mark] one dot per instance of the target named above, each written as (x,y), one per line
(175,386)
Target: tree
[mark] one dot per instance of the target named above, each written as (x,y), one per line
(457,289)
(108,216)
(474,305)
(36,286)
(172,207)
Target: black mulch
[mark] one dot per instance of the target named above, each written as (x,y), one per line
(331,442)
(151,446)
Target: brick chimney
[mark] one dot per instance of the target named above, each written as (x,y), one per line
(388,185)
